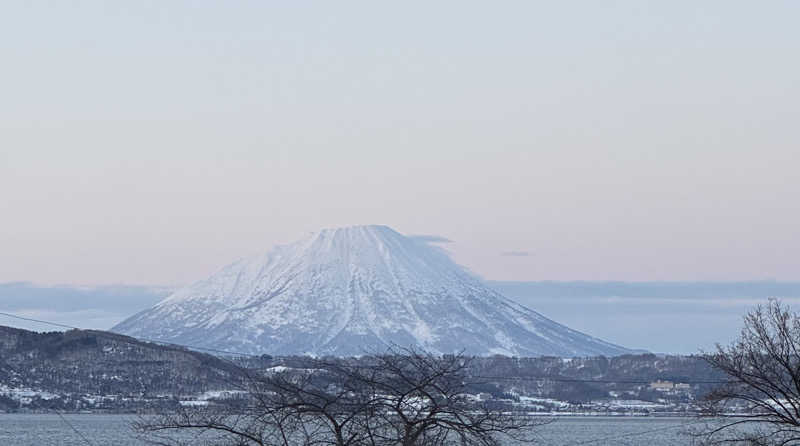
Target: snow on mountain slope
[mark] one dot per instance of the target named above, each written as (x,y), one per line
(352,290)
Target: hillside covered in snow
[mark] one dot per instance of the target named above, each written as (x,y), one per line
(354,290)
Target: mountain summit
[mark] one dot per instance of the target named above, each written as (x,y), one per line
(352,290)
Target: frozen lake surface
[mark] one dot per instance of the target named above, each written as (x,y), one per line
(51,430)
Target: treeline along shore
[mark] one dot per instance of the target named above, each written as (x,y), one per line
(98,371)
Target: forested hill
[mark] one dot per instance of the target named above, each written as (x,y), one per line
(102,363)
(96,370)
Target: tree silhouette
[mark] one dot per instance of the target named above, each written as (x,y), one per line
(401,397)
(763,367)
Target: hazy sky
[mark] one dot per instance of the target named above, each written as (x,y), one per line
(666,317)
(153,142)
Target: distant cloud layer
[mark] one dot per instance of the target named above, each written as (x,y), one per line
(674,317)
(95,307)
(664,317)
(515,254)
(430,238)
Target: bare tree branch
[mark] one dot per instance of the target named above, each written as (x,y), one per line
(400,397)
(760,405)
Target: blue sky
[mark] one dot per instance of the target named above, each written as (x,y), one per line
(152,142)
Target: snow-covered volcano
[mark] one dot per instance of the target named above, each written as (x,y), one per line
(352,290)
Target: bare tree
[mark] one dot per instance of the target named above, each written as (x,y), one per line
(402,397)
(421,399)
(760,405)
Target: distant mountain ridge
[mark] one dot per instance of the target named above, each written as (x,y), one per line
(351,290)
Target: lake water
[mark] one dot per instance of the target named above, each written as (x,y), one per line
(51,430)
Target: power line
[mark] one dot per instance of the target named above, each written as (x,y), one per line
(635,434)
(505,378)
(155,341)
(578,380)
(56,324)
(235,353)
(86,440)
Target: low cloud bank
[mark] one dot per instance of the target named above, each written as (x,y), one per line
(430,238)
(83,307)
(666,317)
(515,254)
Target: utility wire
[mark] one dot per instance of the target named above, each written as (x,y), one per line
(234,353)
(521,378)
(56,324)
(578,380)
(155,341)
(634,434)
(85,440)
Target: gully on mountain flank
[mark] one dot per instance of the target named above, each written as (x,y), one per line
(351,290)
